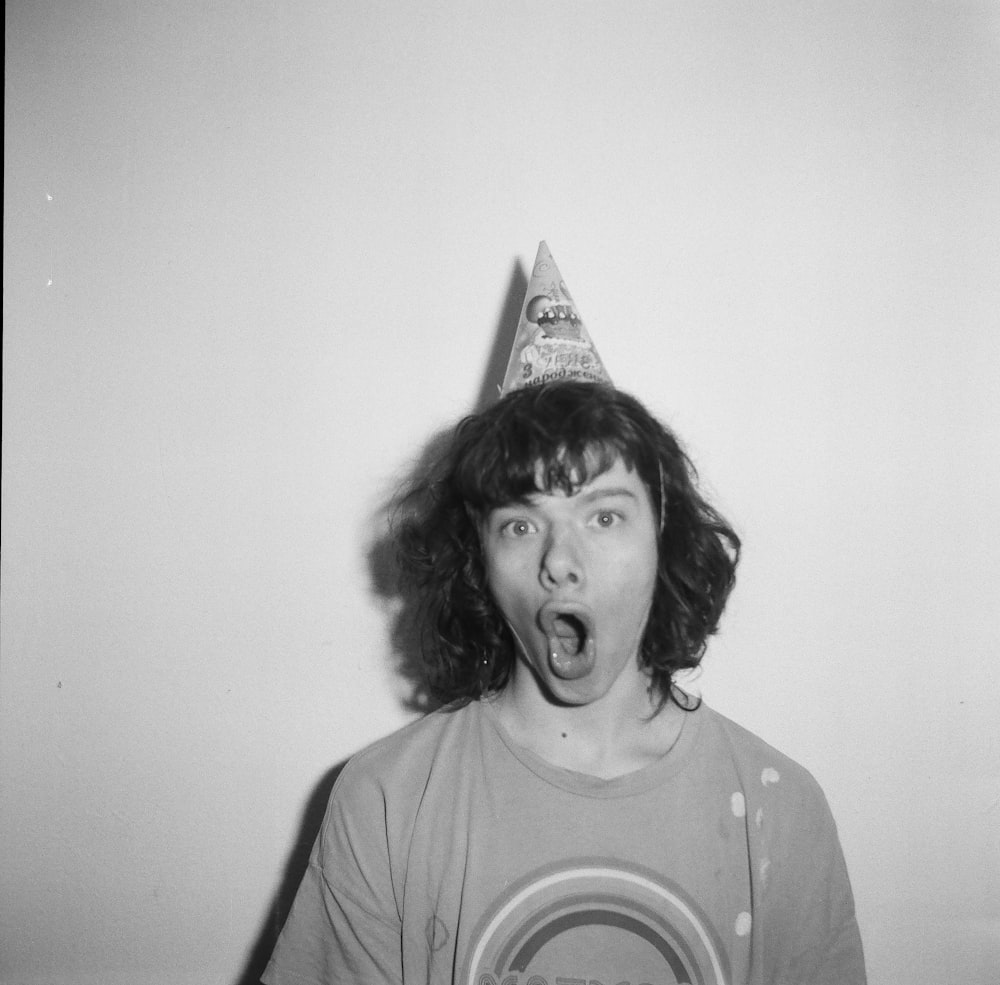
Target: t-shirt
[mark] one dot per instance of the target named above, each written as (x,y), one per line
(449,854)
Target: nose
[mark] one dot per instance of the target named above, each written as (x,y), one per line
(562,561)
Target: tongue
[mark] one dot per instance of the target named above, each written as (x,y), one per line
(572,651)
(569,633)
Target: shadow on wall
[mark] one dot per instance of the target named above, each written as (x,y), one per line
(503,338)
(404,610)
(402,606)
(295,868)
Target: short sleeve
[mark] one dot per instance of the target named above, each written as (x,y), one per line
(830,951)
(814,939)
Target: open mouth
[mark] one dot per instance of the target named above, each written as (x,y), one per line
(570,632)
(571,645)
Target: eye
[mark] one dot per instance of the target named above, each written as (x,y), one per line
(516,528)
(606,518)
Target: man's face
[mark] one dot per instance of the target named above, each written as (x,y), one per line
(574,576)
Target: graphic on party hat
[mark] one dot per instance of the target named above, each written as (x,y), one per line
(552,343)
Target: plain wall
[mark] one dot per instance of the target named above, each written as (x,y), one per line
(258,254)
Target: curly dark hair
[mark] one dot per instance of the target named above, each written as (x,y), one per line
(574,431)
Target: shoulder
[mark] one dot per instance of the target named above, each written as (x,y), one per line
(404,759)
(762,768)
(803,904)
(382,790)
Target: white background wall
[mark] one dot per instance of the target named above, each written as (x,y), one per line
(256,254)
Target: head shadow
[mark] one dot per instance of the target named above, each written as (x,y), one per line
(401,605)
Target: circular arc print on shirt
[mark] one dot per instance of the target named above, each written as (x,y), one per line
(595,921)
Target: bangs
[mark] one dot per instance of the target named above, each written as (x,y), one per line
(528,471)
(571,468)
(524,455)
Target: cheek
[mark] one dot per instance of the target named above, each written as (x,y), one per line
(632,592)
(630,570)
(504,582)
(514,607)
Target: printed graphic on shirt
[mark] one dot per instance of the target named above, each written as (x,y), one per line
(595,922)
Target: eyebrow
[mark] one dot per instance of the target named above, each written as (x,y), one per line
(590,496)
(609,493)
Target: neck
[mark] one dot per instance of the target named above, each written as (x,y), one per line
(619,733)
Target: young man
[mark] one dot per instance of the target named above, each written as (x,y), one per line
(570,815)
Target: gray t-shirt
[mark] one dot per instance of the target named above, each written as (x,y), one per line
(451,855)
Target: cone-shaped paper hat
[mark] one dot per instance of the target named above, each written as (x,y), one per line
(552,342)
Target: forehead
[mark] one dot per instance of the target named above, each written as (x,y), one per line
(593,482)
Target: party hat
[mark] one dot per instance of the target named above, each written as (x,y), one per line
(552,343)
